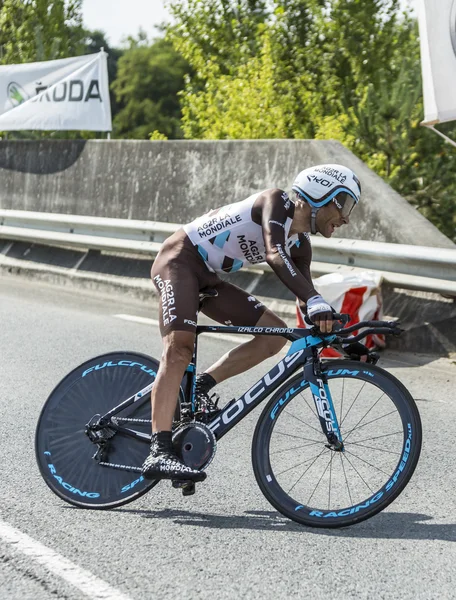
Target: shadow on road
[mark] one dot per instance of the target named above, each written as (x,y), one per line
(389,525)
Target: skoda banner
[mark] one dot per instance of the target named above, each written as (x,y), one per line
(70,93)
(437,22)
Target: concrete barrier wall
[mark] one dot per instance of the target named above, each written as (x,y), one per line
(176,181)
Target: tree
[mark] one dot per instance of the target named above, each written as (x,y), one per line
(343,69)
(148,81)
(241,85)
(35,30)
(217,31)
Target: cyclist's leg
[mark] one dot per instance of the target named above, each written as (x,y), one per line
(235,306)
(178,287)
(162,462)
(178,273)
(176,355)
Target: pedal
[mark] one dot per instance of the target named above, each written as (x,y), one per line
(373,358)
(178,484)
(187,487)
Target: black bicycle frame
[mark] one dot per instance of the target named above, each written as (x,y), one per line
(302,353)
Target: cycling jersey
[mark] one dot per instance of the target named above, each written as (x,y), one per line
(253,231)
(231,237)
(224,240)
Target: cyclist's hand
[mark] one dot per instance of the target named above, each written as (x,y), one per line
(320,313)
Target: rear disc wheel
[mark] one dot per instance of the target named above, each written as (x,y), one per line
(64,451)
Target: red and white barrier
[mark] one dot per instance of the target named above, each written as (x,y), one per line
(357,294)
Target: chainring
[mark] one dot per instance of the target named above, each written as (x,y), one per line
(195,444)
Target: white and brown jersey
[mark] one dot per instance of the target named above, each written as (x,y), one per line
(253,231)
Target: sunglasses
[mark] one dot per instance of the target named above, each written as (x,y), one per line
(345,203)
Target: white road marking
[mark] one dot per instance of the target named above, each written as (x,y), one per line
(88,584)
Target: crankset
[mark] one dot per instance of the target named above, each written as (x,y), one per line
(195,444)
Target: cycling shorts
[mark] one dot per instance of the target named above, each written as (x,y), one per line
(179,273)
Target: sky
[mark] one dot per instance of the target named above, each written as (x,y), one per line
(121,18)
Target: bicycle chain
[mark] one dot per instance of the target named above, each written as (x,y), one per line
(130,420)
(120,467)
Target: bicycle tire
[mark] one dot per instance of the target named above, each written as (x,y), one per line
(349,372)
(63,451)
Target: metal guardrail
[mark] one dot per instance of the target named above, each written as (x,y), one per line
(404,266)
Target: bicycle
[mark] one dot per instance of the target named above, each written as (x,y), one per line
(337,442)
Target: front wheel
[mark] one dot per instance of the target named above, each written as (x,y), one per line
(318,486)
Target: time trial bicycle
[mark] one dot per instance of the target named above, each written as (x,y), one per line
(337,442)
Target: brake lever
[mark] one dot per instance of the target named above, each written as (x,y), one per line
(342,317)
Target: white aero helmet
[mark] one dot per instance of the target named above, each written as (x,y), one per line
(325,183)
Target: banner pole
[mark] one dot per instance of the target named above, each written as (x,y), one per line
(445,137)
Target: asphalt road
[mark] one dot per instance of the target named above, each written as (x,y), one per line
(226,541)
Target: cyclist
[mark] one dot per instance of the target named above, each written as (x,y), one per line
(266,227)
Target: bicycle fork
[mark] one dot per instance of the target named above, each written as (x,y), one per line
(323,402)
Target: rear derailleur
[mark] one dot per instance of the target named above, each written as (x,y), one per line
(100,434)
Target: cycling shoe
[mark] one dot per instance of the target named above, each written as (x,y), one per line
(166,465)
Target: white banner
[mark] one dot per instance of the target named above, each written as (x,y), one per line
(70,93)
(437,21)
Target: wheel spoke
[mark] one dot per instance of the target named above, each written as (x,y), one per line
(294,466)
(351,405)
(345,475)
(330,478)
(318,483)
(295,448)
(298,437)
(342,402)
(368,463)
(374,448)
(377,437)
(368,423)
(312,463)
(358,473)
(365,415)
(303,422)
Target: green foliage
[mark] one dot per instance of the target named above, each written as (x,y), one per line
(250,110)
(217,31)
(341,69)
(35,30)
(156,135)
(149,78)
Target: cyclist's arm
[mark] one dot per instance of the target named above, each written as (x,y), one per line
(275,208)
(301,253)
(316,308)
